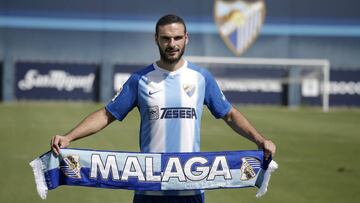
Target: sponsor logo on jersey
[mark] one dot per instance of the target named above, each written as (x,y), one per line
(71,167)
(155,113)
(178,112)
(239,22)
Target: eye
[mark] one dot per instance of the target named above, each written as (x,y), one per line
(177,38)
(164,38)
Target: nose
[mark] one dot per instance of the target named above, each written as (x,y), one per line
(172,42)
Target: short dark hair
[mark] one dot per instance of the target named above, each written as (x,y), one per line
(169,19)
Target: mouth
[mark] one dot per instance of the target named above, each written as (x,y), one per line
(172,51)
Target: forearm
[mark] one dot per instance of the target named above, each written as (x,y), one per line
(90,125)
(242,126)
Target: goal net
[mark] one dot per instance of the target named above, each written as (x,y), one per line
(291,82)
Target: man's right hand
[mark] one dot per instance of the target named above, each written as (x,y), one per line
(58,142)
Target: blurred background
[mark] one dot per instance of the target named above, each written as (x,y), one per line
(106,37)
(60,60)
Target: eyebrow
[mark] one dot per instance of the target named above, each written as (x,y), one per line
(167,36)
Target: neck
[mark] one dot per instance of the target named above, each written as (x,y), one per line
(170,66)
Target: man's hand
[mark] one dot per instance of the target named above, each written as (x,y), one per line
(269,148)
(58,142)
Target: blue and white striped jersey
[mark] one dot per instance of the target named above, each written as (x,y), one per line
(170,105)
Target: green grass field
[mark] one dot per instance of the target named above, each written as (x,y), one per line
(317,152)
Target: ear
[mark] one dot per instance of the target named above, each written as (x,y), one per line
(155,38)
(186,38)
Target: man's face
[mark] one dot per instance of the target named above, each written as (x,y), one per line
(171,40)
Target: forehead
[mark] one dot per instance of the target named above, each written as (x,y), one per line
(171,29)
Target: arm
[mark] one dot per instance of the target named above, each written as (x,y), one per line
(242,126)
(93,123)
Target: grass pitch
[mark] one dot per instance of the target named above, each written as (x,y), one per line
(317,152)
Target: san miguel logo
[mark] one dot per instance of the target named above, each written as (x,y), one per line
(239,22)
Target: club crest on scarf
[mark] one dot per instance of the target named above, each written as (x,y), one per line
(70,166)
(249,168)
(189,89)
(239,22)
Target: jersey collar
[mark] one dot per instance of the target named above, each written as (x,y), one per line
(171,73)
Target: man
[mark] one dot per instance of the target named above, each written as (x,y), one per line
(170,94)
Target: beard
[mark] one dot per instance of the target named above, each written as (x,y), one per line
(169,59)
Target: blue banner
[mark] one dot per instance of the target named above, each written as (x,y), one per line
(344,89)
(56,81)
(252,85)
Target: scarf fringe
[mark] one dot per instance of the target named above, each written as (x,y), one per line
(263,189)
(41,186)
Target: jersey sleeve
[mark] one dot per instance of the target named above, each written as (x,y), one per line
(215,100)
(125,100)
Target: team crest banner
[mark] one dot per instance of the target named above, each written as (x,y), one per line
(239,22)
(152,171)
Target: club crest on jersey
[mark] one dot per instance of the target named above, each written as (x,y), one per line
(189,89)
(249,168)
(239,22)
(70,166)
